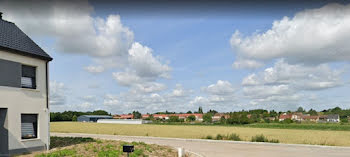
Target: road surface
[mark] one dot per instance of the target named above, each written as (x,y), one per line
(214,148)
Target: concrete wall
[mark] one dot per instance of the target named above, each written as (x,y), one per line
(26,101)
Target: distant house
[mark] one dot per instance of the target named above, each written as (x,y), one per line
(124,116)
(216,117)
(285,116)
(161,116)
(92,118)
(124,121)
(333,118)
(310,118)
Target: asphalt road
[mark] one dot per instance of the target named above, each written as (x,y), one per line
(213,148)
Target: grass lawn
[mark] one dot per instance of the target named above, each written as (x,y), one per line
(295,136)
(81,147)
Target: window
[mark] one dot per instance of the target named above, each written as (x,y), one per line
(29,126)
(28,77)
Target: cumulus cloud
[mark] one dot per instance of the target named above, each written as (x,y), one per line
(143,70)
(220,88)
(145,64)
(72,26)
(300,76)
(94,69)
(313,36)
(57,93)
(286,83)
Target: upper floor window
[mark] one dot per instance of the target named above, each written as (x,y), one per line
(28,79)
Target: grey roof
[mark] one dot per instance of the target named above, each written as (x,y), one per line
(333,116)
(97,116)
(16,41)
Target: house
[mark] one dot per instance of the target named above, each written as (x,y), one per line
(216,117)
(24,92)
(285,116)
(198,116)
(333,118)
(92,118)
(124,116)
(124,121)
(309,118)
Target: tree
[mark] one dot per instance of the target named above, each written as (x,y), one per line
(222,120)
(312,112)
(212,112)
(137,115)
(75,118)
(191,118)
(189,112)
(300,109)
(207,118)
(200,110)
(100,112)
(174,119)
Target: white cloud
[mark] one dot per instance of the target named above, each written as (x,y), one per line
(299,76)
(145,64)
(111,100)
(286,83)
(313,36)
(180,91)
(72,25)
(57,93)
(94,69)
(127,78)
(149,87)
(220,88)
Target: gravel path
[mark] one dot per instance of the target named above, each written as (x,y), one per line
(214,148)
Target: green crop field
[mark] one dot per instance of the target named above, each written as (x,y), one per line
(295,136)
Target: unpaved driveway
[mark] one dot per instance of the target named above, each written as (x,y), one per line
(213,148)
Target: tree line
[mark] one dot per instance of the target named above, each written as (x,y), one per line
(73,115)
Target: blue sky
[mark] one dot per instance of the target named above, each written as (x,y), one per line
(178,59)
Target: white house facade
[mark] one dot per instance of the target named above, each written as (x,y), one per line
(24,107)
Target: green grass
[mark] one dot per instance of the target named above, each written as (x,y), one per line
(67,141)
(103,148)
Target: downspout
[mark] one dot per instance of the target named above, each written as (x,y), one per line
(47,105)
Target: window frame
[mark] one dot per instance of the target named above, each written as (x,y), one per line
(35,126)
(33,79)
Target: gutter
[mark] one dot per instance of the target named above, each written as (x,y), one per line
(47,105)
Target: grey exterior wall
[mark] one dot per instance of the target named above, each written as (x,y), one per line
(19,101)
(10,73)
(4,137)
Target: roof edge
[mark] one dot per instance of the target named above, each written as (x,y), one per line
(27,54)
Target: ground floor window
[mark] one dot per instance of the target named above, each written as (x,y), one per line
(29,126)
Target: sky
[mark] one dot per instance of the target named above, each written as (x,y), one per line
(177,56)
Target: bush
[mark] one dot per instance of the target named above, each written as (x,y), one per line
(262,138)
(219,137)
(259,138)
(233,137)
(209,137)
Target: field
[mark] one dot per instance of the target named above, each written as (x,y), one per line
(69,146)
(293,136)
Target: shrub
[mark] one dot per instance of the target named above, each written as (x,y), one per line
(219,137)
(233,137)
(262,138)
(259,138)
(274,141)
(209,137)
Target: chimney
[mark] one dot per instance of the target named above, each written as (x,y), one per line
(0,15)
